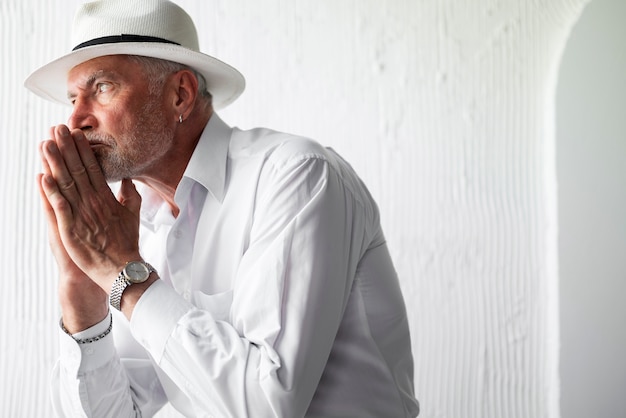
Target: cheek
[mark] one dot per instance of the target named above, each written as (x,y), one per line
(118,121)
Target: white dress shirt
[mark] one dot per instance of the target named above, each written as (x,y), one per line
(277,296)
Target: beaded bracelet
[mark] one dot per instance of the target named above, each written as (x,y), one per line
(88,340)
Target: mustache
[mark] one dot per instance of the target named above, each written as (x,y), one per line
(100,138)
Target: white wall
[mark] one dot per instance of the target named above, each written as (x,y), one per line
(591,150)
(446,109)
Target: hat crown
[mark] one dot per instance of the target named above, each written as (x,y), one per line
(153,18)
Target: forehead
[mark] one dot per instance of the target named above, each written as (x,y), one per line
(116,66)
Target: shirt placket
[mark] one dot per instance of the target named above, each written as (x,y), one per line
(181,238)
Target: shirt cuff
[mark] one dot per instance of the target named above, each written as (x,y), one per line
(87,357)
(155,316)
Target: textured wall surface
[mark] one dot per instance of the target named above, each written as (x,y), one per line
(446,109)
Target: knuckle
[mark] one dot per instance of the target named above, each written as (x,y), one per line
(77,171)
(67,185)
(93,167)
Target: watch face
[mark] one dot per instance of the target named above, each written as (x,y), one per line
(136,272)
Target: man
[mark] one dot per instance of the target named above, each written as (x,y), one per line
(248,272)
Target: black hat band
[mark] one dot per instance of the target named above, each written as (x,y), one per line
(122,38)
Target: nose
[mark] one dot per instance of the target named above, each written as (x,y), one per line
(82,116)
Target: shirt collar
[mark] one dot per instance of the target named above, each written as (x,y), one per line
(207,167)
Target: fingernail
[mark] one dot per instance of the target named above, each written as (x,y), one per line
(64,131)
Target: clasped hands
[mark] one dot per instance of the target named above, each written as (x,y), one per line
(91,232)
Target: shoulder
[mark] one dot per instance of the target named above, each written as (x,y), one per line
(299,167)
(276,148)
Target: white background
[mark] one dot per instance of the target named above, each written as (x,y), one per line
(445,107)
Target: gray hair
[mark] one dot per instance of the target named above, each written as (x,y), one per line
(158,69)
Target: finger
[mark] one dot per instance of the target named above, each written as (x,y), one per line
(47,209)
(57,207)
(54,237)
(58,172)
(69,152)
(93,169)
(44,162)
(51,221)
(129,197)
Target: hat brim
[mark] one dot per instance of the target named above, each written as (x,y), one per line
(224,82)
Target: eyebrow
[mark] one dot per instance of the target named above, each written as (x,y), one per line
(89,82)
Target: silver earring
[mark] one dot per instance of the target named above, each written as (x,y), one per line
(180,118)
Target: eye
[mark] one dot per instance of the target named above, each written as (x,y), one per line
(103,87)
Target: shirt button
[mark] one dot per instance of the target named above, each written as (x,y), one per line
(186,294)
(178,234)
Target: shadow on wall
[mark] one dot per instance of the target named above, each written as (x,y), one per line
(591,151)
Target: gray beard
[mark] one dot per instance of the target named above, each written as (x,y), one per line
(149,139)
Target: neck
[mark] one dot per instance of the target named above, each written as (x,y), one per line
(168,172)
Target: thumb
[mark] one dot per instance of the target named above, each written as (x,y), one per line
(129,197)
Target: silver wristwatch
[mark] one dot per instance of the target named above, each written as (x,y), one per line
(133,272)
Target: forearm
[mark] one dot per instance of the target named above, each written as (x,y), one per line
(89,379)
(216,368)
(258,351)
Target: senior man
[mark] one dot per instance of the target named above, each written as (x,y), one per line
(247,272)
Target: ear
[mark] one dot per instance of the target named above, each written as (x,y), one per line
(185,91)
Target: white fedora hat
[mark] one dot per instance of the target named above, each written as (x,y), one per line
(150,28)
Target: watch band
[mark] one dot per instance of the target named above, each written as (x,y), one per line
(119,285)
